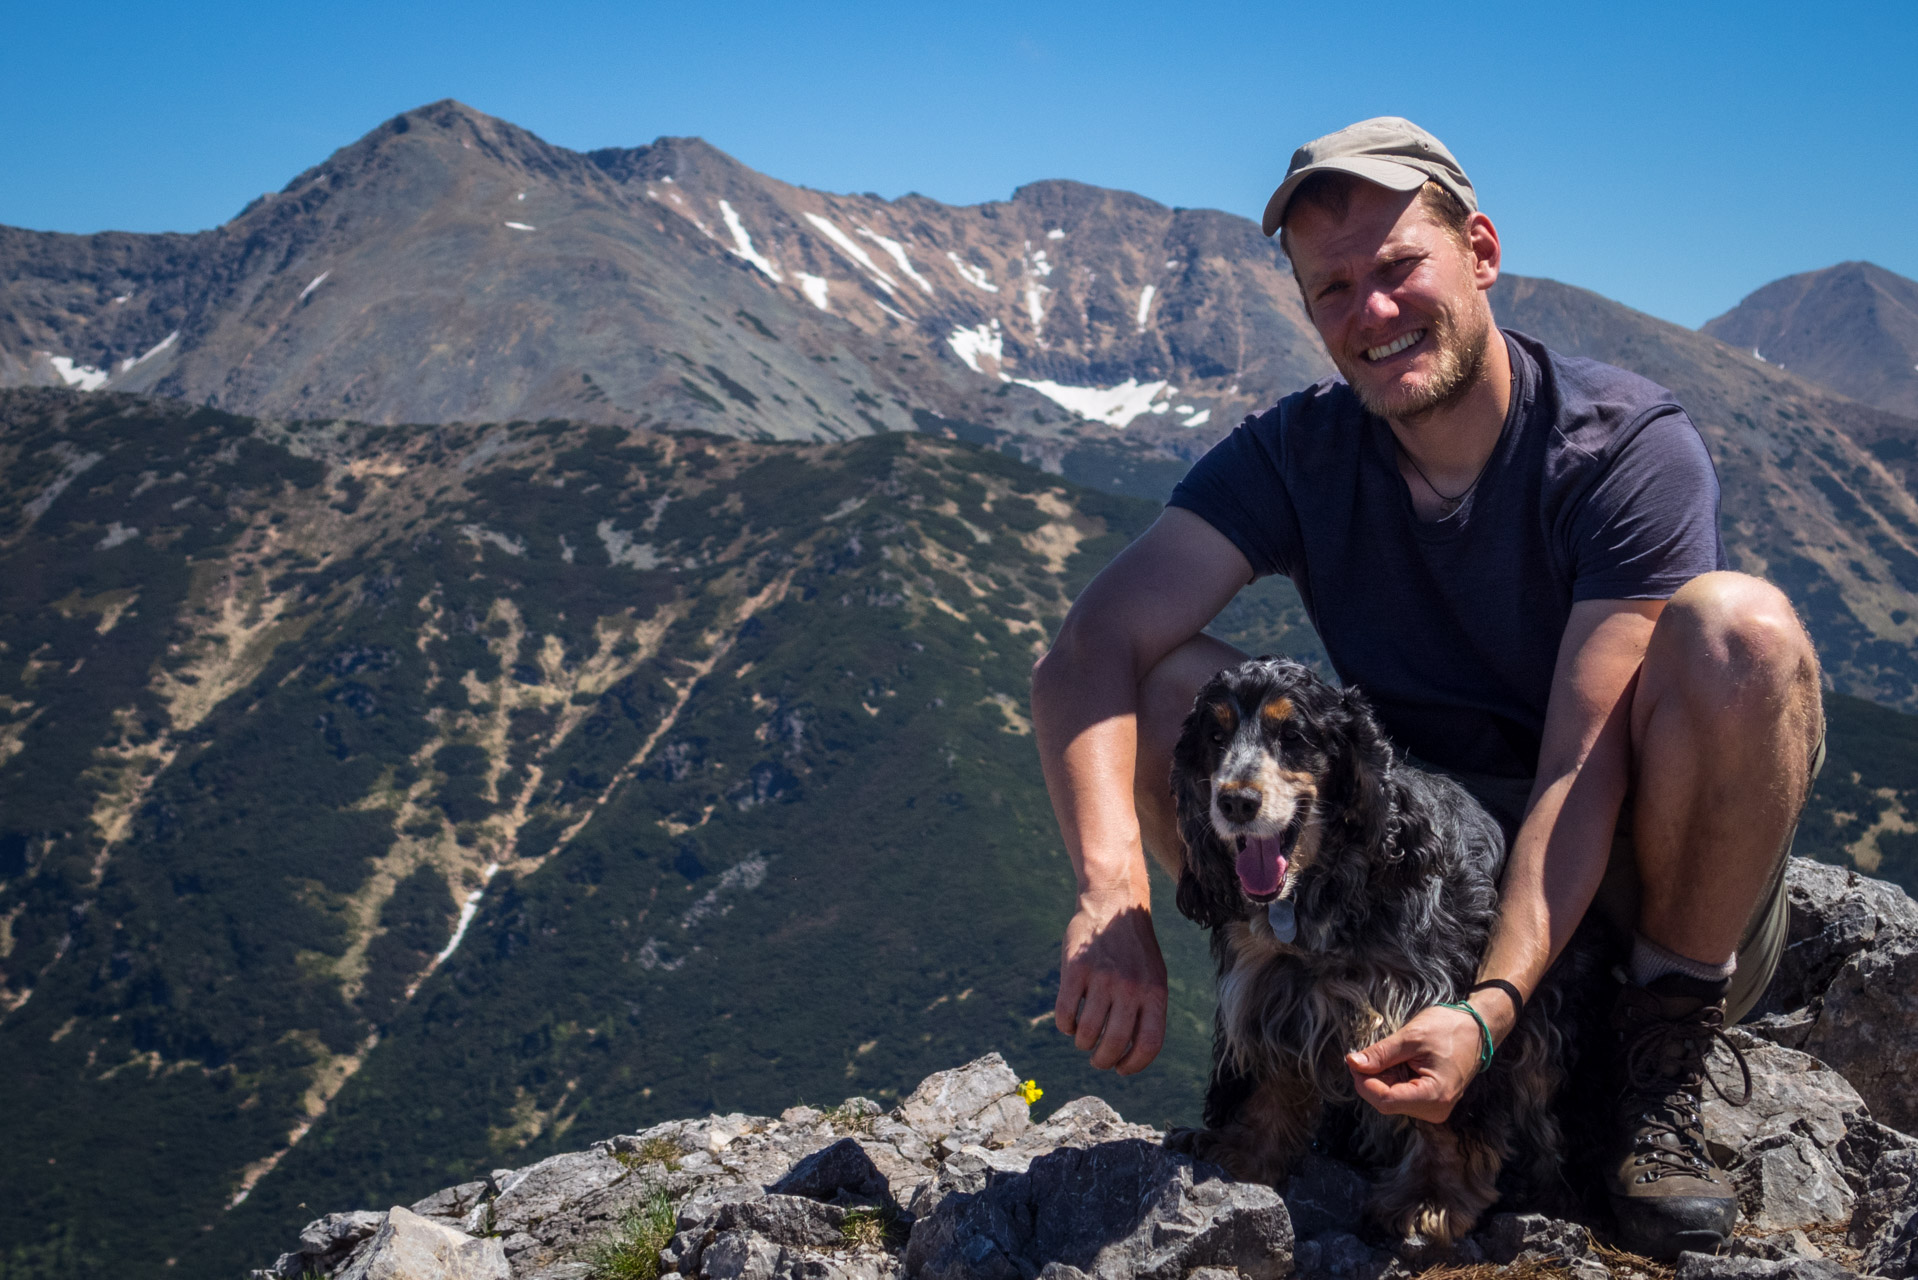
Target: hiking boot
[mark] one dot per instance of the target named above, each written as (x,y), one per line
(1667,1193)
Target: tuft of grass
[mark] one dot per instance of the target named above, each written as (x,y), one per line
(850,1119)
(1622,1263)
(630,1251)
(652,1151)
(873,1228)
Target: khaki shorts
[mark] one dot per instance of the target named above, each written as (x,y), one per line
(1617,900)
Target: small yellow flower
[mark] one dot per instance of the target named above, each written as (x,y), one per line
(1031,1091)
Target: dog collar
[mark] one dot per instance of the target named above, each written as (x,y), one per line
(1284,920)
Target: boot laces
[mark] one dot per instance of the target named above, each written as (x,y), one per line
(1665,1070)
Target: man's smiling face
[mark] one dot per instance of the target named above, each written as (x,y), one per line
(1397,299)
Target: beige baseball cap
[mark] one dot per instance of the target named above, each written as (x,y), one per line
(1389,151)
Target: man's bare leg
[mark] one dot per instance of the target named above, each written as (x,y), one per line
(1726,714)
(1165,697)
(1725,718)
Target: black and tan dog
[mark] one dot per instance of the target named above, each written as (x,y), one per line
(1345,891)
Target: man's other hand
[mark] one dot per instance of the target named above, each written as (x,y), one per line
(1112,995)
(1420,1070)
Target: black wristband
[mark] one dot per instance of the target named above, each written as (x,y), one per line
(1511,992)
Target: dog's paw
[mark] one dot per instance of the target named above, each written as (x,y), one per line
(1184,1140)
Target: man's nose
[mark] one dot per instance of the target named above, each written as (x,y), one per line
(1379,307)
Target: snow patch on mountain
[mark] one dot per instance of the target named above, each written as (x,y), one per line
(897,252)
(522,226)
(846,245)
(980,340)
(743,244)
(814,287)
(313,284)
(134,362)
(1145,304)
(83,376)
(1114,406)
(974,276)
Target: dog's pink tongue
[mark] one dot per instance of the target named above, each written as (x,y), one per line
(1261,865)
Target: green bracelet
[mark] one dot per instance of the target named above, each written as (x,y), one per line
(1485,1050)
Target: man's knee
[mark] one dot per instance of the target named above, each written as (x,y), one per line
(1732,644)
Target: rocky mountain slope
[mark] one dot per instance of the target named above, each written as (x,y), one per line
(377,806)
(958,1181)
(1853,327)
(452,267)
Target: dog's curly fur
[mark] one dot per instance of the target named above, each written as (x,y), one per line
(1393,874)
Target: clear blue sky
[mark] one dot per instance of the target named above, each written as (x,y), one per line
(1672,156)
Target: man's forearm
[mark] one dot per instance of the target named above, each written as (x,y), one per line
(1086,721)
(1556,864)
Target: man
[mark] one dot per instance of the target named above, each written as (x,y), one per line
(1515,556)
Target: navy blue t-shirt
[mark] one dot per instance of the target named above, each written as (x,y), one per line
(1599,489)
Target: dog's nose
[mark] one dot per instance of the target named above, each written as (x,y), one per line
(1239,803)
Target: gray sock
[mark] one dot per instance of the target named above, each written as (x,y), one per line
(1651,962)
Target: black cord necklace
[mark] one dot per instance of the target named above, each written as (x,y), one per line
(1451,502)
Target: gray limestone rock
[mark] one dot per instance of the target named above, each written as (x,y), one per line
(739,1255)
(410,1247)
(1867,1028)
(326,1243)
(1782,1247)
(1834,914)
(1846,988)
(534,1194)
(1885,1222)
(1118,1209)
(1083,1122)
(1703,1266)
(1513,1237)
(968,1097)
(453,1203)
(1864,1144)
(843,1166)
(1340,1255)
(1791,1092)
(1787,1182)
(1325,1195)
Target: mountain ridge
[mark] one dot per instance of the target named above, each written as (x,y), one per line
(1852,327)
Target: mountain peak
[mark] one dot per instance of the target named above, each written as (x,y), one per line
(1852,326)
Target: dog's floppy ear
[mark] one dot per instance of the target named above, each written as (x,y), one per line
(1208,884)
(1363,767)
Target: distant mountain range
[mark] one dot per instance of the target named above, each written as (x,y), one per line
(1853,327)
(453,267)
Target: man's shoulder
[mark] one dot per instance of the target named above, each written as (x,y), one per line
(1582,386)
(1324,410)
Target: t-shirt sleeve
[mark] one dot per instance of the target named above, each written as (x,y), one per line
(1650,523)
(1238,488)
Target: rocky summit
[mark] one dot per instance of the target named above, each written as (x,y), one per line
(958,1180)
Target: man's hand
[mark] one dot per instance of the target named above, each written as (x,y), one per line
(1112,994)
(1421,1070)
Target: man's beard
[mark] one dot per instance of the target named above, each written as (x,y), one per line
(1458,359)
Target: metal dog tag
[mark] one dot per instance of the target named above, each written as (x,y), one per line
(1283,919)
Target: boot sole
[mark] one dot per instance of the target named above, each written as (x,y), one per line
(1666,1226)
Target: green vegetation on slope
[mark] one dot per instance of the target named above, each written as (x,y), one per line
(722,747)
